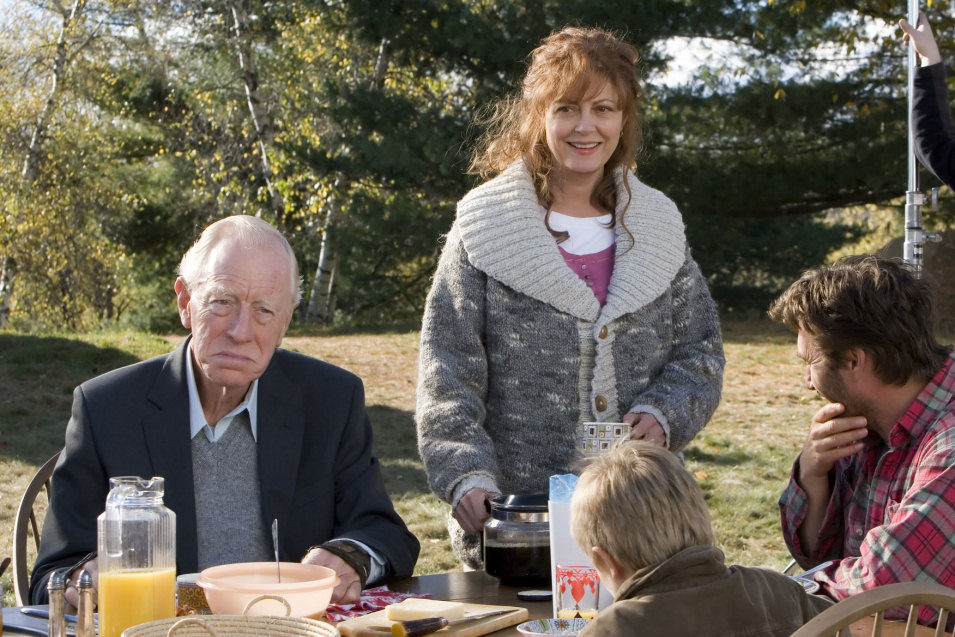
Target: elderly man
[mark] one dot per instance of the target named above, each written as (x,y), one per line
(874,486)
(228,418)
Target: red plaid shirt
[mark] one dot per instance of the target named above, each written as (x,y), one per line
(891,515)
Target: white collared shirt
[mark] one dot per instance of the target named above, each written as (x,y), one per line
(197,417)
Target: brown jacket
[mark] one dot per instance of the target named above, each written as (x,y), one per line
(695,593)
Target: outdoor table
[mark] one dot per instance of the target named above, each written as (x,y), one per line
(480,588)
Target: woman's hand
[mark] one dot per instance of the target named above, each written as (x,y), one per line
(471,512)
(645,427)
(923,39)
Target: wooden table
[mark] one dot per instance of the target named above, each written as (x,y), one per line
(479,587)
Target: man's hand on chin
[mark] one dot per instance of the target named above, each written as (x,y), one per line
(348,590)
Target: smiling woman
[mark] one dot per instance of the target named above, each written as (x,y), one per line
(565,293)
(582,134)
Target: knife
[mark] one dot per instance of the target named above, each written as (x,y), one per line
(45,614)
(428,625)
(808,574)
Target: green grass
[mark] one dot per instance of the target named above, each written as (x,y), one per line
(741,460)
(38,376)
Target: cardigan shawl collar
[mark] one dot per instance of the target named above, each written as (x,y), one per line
(503,233)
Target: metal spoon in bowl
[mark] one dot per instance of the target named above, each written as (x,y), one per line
(275,545)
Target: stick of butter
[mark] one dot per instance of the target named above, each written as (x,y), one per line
(419,608)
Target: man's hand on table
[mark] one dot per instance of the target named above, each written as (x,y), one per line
(72,593)
(348,590)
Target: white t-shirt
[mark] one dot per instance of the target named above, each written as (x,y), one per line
(587,234)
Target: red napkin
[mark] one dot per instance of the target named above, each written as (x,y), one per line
(372,599)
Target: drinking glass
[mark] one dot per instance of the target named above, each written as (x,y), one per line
(578,591)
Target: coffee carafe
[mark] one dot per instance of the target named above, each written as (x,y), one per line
(517,540)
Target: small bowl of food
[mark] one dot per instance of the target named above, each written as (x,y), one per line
(552,626)
(306,588)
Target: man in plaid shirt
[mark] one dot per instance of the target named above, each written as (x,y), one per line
(874,486)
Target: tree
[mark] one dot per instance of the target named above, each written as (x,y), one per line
(52,245)
(349,123)
(755,149)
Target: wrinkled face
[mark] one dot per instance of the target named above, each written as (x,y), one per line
(583,135)
(238,312)
(823,376)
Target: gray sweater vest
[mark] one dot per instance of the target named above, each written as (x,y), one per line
(228,505)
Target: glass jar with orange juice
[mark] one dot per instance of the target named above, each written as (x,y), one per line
(136,554)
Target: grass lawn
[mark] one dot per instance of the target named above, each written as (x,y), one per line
(741,459)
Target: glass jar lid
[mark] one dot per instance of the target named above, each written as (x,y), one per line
(527,507)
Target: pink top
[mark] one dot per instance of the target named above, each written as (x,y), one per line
(594,269)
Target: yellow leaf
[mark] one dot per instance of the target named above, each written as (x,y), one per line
(780,94)
(701,475)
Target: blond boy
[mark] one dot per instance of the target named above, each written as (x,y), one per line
(641,518)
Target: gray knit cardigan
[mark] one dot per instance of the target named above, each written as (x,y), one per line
(516,351)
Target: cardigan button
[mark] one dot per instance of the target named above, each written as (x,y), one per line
(600,403)
(603,332)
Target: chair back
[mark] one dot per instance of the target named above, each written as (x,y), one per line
(835,620)
(25,526)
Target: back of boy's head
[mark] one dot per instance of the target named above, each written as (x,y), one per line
(640,505)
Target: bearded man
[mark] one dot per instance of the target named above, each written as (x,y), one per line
(873,489)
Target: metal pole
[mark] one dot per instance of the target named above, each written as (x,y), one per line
(914,235)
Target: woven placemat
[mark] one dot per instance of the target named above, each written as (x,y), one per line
(233,626)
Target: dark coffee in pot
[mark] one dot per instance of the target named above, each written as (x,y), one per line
(517,540)
(518,565)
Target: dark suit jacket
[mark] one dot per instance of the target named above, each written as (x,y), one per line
(317,474)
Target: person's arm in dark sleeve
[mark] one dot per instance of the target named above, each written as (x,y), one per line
(77,497)
(932,123)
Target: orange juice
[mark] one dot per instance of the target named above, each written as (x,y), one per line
(134,596)
(585,613)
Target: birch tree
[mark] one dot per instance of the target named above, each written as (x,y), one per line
(66,46)
(259,110)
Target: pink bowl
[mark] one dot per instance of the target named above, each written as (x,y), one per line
(230,587)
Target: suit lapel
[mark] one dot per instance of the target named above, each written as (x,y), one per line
(281,428)
(166,431)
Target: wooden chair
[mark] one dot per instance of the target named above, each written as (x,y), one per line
(25,526)
(835,620)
